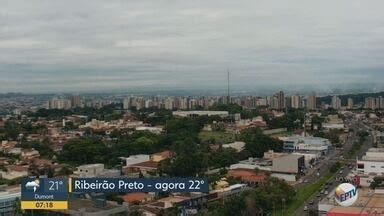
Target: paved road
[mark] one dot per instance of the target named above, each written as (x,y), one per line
(323,168)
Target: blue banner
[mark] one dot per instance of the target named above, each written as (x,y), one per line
(115,185)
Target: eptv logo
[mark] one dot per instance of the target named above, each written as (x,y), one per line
(346,194)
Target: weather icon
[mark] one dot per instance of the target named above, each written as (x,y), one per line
(33,185)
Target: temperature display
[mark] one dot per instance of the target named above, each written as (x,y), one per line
(44,193)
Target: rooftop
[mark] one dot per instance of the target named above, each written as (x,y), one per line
(89,206)
(376,150)
(17,168)
(368,201)
(247,175)
(289,156)
(137,196)
(165,154)
(91,165)
(307,140)
(148,164)
(10,191)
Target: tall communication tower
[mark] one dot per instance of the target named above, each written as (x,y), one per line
(228,97)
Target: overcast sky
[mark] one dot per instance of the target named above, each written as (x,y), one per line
(188,44)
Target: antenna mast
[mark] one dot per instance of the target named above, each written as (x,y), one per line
(228,98)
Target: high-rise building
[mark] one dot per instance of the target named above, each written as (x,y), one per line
(274,102)
(127,103)
(336,102)
(184,103)
(311,102)
(269,100)
(277,101)
(379,103)
(169,103)
(295,101)
(60,103)
(370,103)
(381,99)
(261,102)
(350,103)
(139,103)
(288,102)
(192,103)
(281,100)
(148,103)
(75,100)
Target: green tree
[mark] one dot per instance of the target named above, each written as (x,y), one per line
(33,170)
(186,162)
(377,182)
(84,151)
(64,171)
(256,143)
(254,201)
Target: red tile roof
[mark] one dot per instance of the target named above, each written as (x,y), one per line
(147,164)
(131,197)
(42,162)
(247,175)
(16,168)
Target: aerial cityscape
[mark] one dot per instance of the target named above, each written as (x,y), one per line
(162,108)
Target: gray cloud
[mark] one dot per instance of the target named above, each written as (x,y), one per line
(121,45)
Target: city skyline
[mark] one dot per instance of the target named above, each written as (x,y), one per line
(220,107)
(189,46)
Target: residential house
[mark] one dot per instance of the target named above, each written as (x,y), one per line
(14,171)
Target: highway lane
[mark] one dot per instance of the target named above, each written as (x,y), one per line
(311,205)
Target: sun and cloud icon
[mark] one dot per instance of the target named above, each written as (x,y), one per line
(33,185)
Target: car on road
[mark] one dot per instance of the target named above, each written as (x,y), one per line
(305,208)
(341,172)
(311,202)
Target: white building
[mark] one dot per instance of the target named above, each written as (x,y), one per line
(134,159)
(372,162)
(237,145)
(333,122)
(8,197)
(336,102)
(253,163)
(306,144)
(60,103)
(295,101)
(200,113)
(95,170)
(155,130)
(13,172)
(127,103)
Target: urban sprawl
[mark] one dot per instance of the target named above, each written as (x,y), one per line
(274,155)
